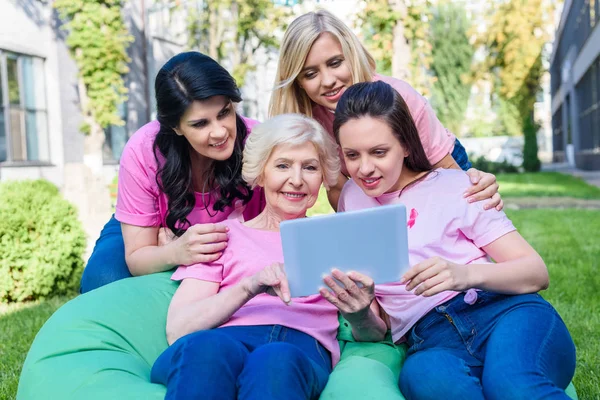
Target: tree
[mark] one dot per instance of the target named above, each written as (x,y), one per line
(232,31)
(397,35)
(452,55)
(97,40)
(515,38)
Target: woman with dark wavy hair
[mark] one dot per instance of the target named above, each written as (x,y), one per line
(181,172)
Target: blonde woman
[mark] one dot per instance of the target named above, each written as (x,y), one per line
(320,57)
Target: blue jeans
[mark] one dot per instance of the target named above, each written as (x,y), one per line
(107,262)
(244,362)
(460,156)
(500,347)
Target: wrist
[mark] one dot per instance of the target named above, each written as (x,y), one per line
(472,276)
(248,287)
(360,318)
(171,254)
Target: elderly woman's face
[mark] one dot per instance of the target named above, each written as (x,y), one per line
(291,179)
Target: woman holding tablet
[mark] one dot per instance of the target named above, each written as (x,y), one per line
(230,336)
(458,312)
(320,57)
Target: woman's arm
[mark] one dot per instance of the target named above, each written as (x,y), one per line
(199,305)
(200,243)
(518,269)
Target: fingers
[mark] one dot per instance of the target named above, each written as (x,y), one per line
(484,181)
(365,280)
(211,237)
(206,258)
(210,248)
(424,276)
(330,297)
(348,283)
(474,175)
(275,278)
(435,289)
(283,288)
(485,193)
(500,205)
(340,293)
(428,284)
(417,269)
(493,202)
(209,228)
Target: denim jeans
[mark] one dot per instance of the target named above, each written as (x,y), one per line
(460,156)
(244,362)
(500,347)
(107,262)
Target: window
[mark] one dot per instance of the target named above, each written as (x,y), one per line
(116,137)
(23,117)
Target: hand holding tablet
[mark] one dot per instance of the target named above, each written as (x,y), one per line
(372,242)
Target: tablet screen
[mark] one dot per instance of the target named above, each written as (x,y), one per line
(371,241)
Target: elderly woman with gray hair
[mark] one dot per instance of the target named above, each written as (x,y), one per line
(234,332)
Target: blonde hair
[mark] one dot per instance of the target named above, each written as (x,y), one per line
(287,96)
(294,129)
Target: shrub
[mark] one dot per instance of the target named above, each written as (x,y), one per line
(483,164)
(41,242)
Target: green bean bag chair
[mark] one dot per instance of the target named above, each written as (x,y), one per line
(102,345)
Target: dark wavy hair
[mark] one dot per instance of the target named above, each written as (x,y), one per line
(183,79)
(380,100)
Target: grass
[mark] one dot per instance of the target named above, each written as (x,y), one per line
(548,184)
(19,323)
(568,242)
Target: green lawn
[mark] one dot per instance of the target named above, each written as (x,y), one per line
(546,184)
(568,242)
(18,326)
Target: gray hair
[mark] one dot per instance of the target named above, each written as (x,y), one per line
(295,129)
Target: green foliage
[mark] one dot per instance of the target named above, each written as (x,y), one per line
(531,162)
(451,64)
(417,31)
(377,22)
(98,41)
(493,167)
(233,30)
(41,242)
(515,37)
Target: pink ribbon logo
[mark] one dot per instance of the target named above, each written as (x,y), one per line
(412,218)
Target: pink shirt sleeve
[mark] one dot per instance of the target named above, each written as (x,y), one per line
(212,272)
(437,141)
(484,226)
(137,194)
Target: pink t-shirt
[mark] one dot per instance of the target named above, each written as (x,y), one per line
(249,251)
(440,223)
(437,141)
(140,202)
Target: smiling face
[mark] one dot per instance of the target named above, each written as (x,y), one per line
(326,72)
(291,180)
(210,127)
(373,155)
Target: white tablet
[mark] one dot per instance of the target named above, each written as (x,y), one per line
(371,241)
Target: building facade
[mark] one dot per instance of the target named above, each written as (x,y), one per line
(575,85)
